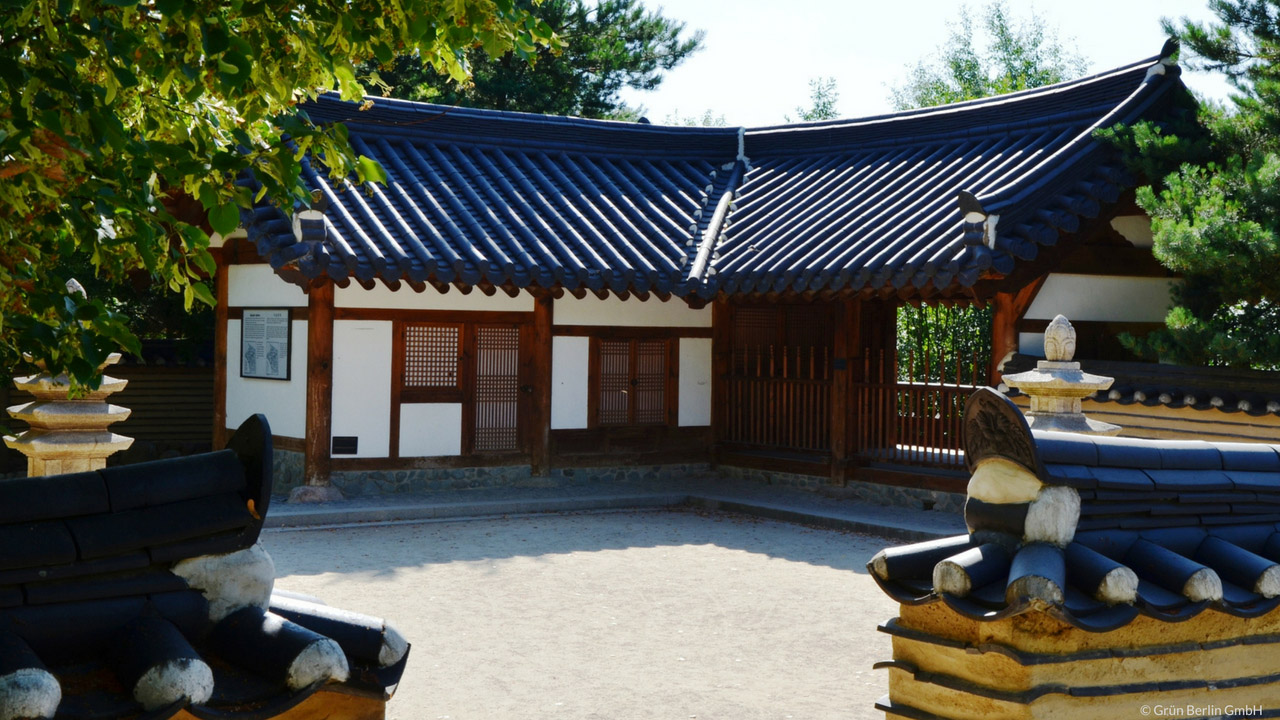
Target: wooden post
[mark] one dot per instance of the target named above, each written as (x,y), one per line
(1009,309)
(316,466)
(721,358)
(540,403)
(847,356)
(222,290)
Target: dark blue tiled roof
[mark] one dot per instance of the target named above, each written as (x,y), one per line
(510,198)
(99,620)
(1195,525)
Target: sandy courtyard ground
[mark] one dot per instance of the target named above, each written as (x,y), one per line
(620,615)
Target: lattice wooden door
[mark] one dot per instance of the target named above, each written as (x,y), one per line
(632,387)
(478,369)
(496,414)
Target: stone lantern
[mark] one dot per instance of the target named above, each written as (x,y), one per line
(1057,386)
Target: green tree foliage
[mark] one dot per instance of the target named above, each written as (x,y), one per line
(1215,198)
(823,96)
(607,45)
(114,110)
(944,344)
(706,119)
(1012,54)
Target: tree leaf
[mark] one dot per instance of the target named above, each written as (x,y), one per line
(370,170)
(225,218)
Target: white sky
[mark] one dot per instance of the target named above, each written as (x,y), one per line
(759,55)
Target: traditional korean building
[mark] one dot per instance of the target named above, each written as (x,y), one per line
(531,292)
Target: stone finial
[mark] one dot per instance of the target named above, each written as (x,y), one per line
(1059,340)
(1057,387)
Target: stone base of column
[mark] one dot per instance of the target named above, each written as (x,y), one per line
(316,494)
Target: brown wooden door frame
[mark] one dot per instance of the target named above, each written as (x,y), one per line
(524,397)
(465,393)
(671,370)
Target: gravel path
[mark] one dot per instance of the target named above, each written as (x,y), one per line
(615,615)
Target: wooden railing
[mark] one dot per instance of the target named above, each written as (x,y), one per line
(779,397)
(912,422)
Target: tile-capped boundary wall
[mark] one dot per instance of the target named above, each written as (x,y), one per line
(288,475)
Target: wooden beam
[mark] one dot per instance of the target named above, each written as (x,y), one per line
(540,382)
(222,290)
(1009,309)
(319,423)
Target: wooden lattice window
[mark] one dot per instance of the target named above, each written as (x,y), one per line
(632,382)
(497,390)
(432,363)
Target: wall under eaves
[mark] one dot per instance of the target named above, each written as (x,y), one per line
(387,429)
(284,402)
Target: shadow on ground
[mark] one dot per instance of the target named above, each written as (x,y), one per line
(378,551)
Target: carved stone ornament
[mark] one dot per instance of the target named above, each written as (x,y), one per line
(994,426)
(1059,340)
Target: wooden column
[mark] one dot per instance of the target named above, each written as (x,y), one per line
(1009,307)
(721,360)
(222,293)
(540,368)
(847,362)
(316,466)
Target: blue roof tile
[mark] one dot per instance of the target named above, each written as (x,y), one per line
(861,205)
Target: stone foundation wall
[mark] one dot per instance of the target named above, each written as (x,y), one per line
(855,490)
(356,483)
(286,471)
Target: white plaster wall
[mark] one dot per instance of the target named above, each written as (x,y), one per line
(1102,298)
(569,358)
(362,384)
(354,296)
(1031,344)
(631,312)
(259,286)
(430,429)
(1135,228)
(695,381)
(284,403)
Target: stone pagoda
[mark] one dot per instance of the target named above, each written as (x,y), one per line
(1057,386)
(67,435)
